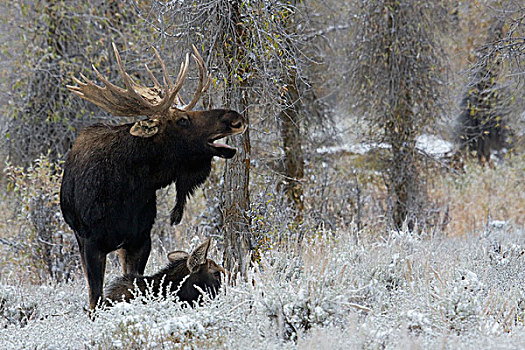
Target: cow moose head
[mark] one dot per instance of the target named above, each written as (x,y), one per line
(186,275)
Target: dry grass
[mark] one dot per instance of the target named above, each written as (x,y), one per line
(467,202)
(479,196)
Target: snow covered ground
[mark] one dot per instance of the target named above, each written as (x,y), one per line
(426,143)
(343,291)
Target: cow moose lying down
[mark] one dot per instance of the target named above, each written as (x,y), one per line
(184,273)
(112,172)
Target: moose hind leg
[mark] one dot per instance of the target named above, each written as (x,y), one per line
(82,260)
(133,258)
(94,262)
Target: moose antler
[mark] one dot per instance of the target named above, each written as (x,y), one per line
(203,85)
(137,100)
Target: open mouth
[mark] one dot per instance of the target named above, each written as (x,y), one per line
(221,149)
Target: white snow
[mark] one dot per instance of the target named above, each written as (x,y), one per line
(400,291)
(429,144)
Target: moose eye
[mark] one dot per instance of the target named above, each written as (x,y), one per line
(183,122)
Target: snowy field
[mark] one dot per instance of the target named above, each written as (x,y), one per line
(343,290)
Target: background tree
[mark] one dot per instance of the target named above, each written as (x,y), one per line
(492,102)
(60,37)
(290,115)
(234,41)
(481,124)
(395,65)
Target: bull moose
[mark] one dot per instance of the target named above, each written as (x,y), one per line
(112,172)
(184,273)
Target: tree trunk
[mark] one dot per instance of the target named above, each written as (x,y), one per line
(400,133)
(236,203)
(293,153)
(290,125)
(404,180)
(236,199)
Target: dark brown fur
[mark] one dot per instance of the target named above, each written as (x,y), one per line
(110,178)
(206,276)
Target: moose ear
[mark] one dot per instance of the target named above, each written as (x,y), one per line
(145,128)
(199,256)
(177,255)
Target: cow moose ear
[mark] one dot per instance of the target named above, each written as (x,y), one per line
(145,128)
(199,256)
(177,255)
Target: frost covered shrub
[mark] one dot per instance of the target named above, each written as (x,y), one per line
(504,261)
(389,292)
(12,312)
(300,294)
(459,303)
(341,290)
(37,235)
(284,297)
(273,222)
(154,322)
